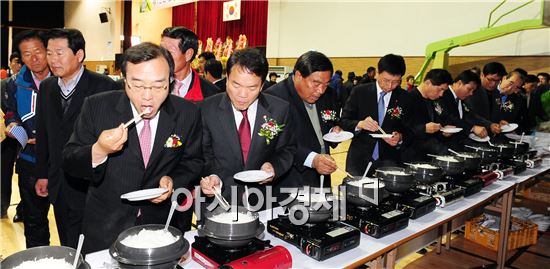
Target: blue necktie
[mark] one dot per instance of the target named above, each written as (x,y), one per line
(503,99)
(381,114)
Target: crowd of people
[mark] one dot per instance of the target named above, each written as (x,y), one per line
(195,129)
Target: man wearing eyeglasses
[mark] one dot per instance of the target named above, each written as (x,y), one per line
(371,107)
(161,149)
(480,102)
(314,111)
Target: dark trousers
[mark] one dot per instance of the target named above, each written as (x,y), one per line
(36,208)
(68,219)
(9,151)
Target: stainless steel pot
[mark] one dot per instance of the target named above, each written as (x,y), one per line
(231,235)
(317,211)
(425,175)
(36,253)
(161,257)
(356,195)
(395,183)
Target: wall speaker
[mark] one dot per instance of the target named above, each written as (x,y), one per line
(103,17)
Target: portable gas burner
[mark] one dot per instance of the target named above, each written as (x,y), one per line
(376,221)
(444,193)
(256,254)
(319,241)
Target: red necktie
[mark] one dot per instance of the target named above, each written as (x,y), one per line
(145,141)
(244,135)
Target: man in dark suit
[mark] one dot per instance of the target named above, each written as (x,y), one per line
(59,103)
(162,149)
(182,44)
(422,119)
(481,100)
(456,113)
(310,98)
(235,125)
(506,103)
(532,105)
(213,72)
(374,105)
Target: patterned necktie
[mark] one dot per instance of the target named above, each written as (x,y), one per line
(145,141)
(177,86)
(381,114)
(244,135)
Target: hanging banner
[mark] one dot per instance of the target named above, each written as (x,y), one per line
(232,10)
(149,5)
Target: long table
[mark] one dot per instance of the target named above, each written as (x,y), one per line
(375,250)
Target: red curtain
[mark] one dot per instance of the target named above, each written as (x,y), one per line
(184,15)
(253,22)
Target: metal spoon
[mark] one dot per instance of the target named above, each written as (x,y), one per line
(454,152)
(172,208)
(78,250)
(366,170)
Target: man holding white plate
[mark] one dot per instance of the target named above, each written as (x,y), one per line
(373,107)
(423,120)
(161,149)
(457,113)
(246,131)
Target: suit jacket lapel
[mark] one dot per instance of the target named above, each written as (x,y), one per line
(77,100)
(165,128)
(257,142)
(124,110)
(227,121)
(299,104)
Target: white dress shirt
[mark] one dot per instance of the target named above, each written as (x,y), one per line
(459,102)
(185,85)
(251,113)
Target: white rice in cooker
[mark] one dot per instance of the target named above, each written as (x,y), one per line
(447,159)
(231,217)
(45,263)
(396,173)
(425,166)
(150,239)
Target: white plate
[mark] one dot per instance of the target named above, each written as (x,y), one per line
(338,137)
(381,135)
(479,139)
(252,176)
(508,128)
(451,130)
(143,194)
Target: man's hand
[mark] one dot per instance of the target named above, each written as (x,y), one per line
(8,129)
(368,124)
(109,141)
(267,167)
(165,182)
(503,122)
(324,164)
(207,184)
(394,140)
(495,128)
(31,141)
(432,127)
(41,187)
(480,131)
(336,129)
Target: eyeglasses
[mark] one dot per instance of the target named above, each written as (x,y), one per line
(142,88)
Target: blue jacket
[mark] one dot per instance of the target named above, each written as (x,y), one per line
(21,101)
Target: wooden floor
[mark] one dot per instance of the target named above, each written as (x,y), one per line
(12,238)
